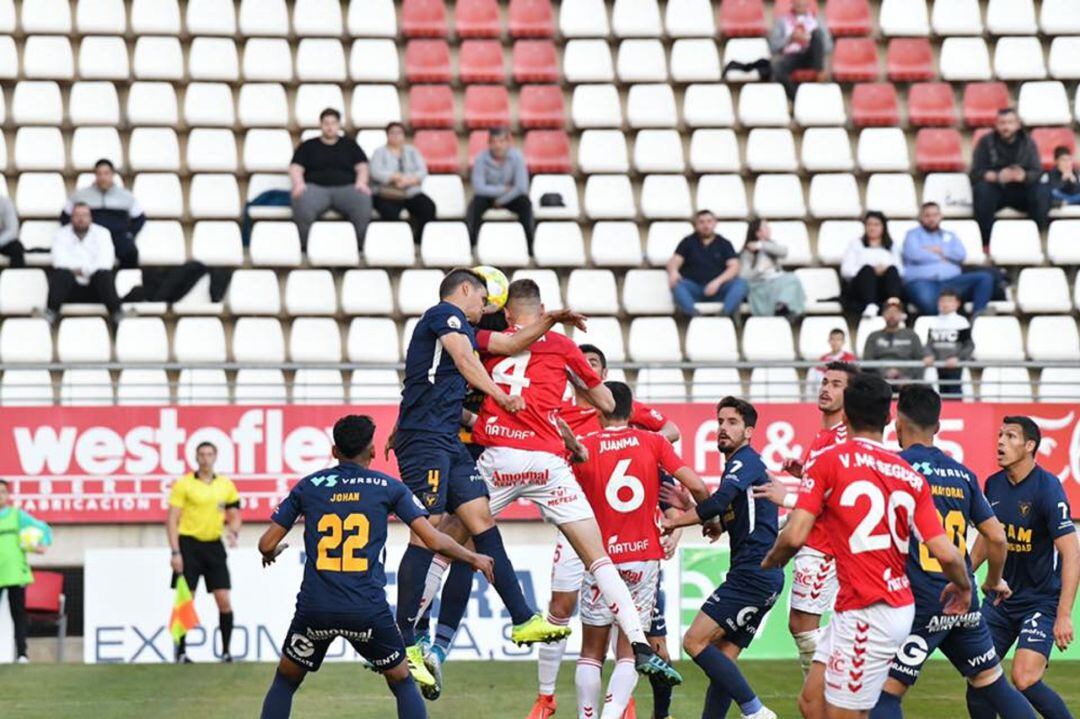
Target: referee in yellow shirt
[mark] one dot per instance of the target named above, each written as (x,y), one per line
(201,504)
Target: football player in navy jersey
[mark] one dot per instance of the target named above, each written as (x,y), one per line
(964,639)
(345,510)
(1042,568)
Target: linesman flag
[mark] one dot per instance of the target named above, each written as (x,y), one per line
(183,616)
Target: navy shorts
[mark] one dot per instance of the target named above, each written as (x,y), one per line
(658,622)
(374,635)
(964,640)
(742,601)
(1027,627)
(438,470)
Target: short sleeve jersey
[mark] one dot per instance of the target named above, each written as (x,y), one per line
(584,419)
(751,524)
(621,480)
(345,510)
(869,499)
(434,390)
(202,505)
(1035,512)
(702,263)
(539,376)
(824,439)
(329,165)
(960,504)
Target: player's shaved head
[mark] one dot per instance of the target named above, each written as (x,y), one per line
(353,435)
(523,292)
(920,405)
(624,401)
(866,403)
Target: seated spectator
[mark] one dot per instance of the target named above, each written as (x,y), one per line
(500,179)
(113,208)
(949,342)
(799,40)
(836,353)
(870,269)
(705,268)
(894,343)
(771,290)
(330,172)
(1005,169)
(9,234)
(82,260)
(933,261)
(1061,182)
(397,171)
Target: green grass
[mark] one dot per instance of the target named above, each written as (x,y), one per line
(475,690)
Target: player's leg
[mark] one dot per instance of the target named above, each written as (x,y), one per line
(907,665)
(219,583)
(813,592)
(812,696)
(1003,632)
(410,705)
(587,679)
(971,650)
(1006,700)
(657,636)
(382,647)
(567,574)
(225,621)
(703,641)
(193,569)
(1028,669)
(300,654)
(622,682)
(287,679)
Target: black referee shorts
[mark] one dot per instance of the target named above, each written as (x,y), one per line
(203,559)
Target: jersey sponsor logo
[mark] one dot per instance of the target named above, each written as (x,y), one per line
(1019,538)
(387,661)
(453,322)
(895,584)
(913,652)
(987,657)
(301,646)
(943,623)
(330,480)
(352,636)
(941,490)
(514,479)
(494,429)
(615,445)
(614,546)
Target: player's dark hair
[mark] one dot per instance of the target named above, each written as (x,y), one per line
(742,407)
(456,278)
(330,112)
(523,289)
(1028,427)
(588,349)
(211,445)
(840,366)
(624,400)
(493,321)
(866,402)
(353,434)
(920,404)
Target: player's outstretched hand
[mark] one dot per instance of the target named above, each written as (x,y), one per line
(1063,631)
(510,403)
(269,559)
(955,600)
(1001,591)
(794,467)
(389,444)
(775,491)
(712,531)
(485,565)
(677,496)
(568,316)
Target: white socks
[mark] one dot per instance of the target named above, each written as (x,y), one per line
(550,659)
(618,598)
(807,644)
(587,680)
(432,583)
(620,688)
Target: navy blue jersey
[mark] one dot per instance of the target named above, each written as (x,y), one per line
(345,510)
(434,390)
(751,523)
(1035,512)
(960,504)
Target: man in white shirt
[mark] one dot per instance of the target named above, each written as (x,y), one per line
(83,259)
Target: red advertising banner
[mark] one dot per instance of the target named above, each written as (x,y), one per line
(115,464)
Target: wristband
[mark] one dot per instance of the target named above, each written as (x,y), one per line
(790,500)
(176,552)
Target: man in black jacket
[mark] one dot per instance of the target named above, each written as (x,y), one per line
(112,207)
(1005,170)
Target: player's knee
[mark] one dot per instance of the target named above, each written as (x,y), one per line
(806,706)
(397,673)
(693,644)
(292,671)
(224,603)
(1024,677)
(562,605)
(659,645)
(801,622)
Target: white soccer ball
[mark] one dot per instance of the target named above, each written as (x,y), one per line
(497,284)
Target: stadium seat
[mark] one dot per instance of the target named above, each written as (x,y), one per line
(93,103)
(636,18)
(1019,58)
(939,150)
(931,103)
(209,104)
(714,151)
(317,386)
(964,59)
(389,244)
(210,17)
(211,150)
(1059,17)
(268,60)
(609,197)
(320,60)
(9,58)
(367,292)
(371,106)
(202,386)
(539,106)
(423,18)
(1064,60)
(560,244)
(957,17)
(27,339)
(997,339)
(46,16)
(892,193)
(1044,103)
(1061,247)
(1005,384)
(1056,384)
(375,386)
(39,148)
(86,387)
(592,292)
(602,151)
(708,106)
(763,104)
(562,185)
(613,244)
(779,196)
(834,196)
(641,60)
(101,17)
(332,244)
(695,60)
(794,236)
(875,104)
(982,100)
(258,340)
(312,98)
(440,150)
(1011,17)
(827,149)
(1015,242)
(951,190)
(814,336)
(48,57)
(708,383)
(142,339)
(1043,290)
(275,244)
(148,17)
(264,18)
(486,106)
(740,18)
(904,17)
(258,386)
(214,196)
(746,50)
(481,61)
(665,197)
(160,242)
(1049,138)
(855,60)
(833,238)
(37,103)
(910,59)
(418,290)
(848,17)
(822,287)
(158,58)
(477,18)
(651,106)
(646,292)
(40,194)
(370,140)
(535,61)
(26,388)
(263,105)
(585,18)
(711,339)
(22,291)
(154,149)
(819,104)
(372,18)
(531,18)
(502,244)
(596,106)
(587,61)
(604,332)
(654,339)
(883,149)
(771,150)
(373,60)
(547,151)
(660,151)
(661,384)
(90,144)
(427,61)
(1053,338)
(254,292)
(431,106)
(83,339)
(767,338)
(723,195)
(103,58)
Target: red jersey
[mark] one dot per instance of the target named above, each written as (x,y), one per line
(868,499)
(825,438)
(584,418)
(539,375)
(621,480)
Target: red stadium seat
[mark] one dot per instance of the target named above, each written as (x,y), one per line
(855,59)
(541,106)
(481,61)
(978,135)
(487,106)
(740,18)
(1049,138)
(46,603)
(478,142)
(531,18)
(931,103)
(535,61)
(847,18)
(548,151)
(875,104)
(440,150)
(477,18)
(423,18)
(910,60)
(804,75)
(938,149)
(427,61)
(982,100)
(431,106)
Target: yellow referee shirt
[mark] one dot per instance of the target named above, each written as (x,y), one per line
(202,505)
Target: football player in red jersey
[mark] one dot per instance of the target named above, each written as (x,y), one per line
(618,468)
(869,501)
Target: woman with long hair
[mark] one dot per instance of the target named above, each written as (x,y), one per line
(870,268)
(772,290)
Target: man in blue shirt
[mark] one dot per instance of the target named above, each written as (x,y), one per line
(933,260)
(500,179)
(345,510)
(964,639)
(705,268)
(1042,568)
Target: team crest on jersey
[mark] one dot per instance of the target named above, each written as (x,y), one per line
(430,498)
(1025,508)
(453,322)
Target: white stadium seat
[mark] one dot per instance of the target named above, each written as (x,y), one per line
(94,103)
(9,58)
(651,106)
(48,57)
(714,150)
(142,339)
(763,104)
(658,151)
(779,196)
(90,144)
(1061,245)
(83,339)
(613,244)
(603,151)
(1059,17)
(366,292)
(892,193)
(548,282)
(86,387)
(952,192)
(210,17)
(1019,58)
(375,386)
(332,244)
(827,149)
(214,196)
(152,103)
(767,338)
(1011,17)
(775,384)
(563,185)
(502,244)
(103,58)
(560,244)
(370,140)
(689,18)
(587,61)
(585,18)
(904,17)
(267,150)
(161,242)
(372,18)
(389,244)
(957,17)
(822,288)
(445,244)
(964,59)
(1044,103)
(158,58)
(211,150)
(723,195)
(819,104)
(814,335)
(1056,384)
(46,16)
(794,236)
(258,340)
(711,339)
(745,50)
(1053,338)
(275,244)
(418,290)
(883,149)
(202,386)
(41,194)
(606,333)
(592,292)
(997,339)
(695,60)
(1064,60)
(260,183)
(264,17)
(372,106)
(22,291)
(374,60)
(155,17)
(39,148)
(970,237)
(317,18)
(26,339)
(317,386)
(771,150)
(663,238)
(209,104)
(37,102)
(155,149)
(1016,242)
(1005,384)
(254,292)
(596,106)
(373,339)
(320,60)
(1043,290)
(609,197)
(833,239)
(258,385)
(26,388)
(267,60)
(314,339)
(646,292)
(448,194)
(665,197)
(661,384)
(636,18)
(101,17)
(312,98)
(708,106)
(654,339)
(710,383)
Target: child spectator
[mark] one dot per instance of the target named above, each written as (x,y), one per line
(836,353)
(949,342)
(1062,181)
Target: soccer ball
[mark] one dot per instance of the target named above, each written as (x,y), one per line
(497,284)
(30,537)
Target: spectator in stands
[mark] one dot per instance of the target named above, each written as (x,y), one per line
(397,172)
(705,268)
(1005,169)
(15,574)
(82,259)
(895,343)
(870,268)
(949,342)
(799,40)
(933,261)
(500,179)
(330,172)
(113,208)
(10,246)
(836,353)
(1061,182)
(772,291)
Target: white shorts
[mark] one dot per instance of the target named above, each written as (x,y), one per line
(543,478)
(641,579)
(813,583)
(567,569)
(857,649)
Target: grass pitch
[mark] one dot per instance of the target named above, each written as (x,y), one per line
(475,690)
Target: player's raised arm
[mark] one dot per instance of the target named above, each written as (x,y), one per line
(790,539)
(578,451)
(443,544)
(270,544)
(996,545)
(499,343)
(461,352)
(1069,554)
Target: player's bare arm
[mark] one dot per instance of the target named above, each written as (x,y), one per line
(270,544)
(461,352)
(794,467)
(670,541)
(1069,553)
(233,522)
(777,493)
(670,432)
(510,344)
(977,553)
(790,540)
(677,496)
(172,529)
(956,597)
(693,482)
(578,451)
(390,443)
(445,545)
(600,397)
(992,537)
(468,419)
